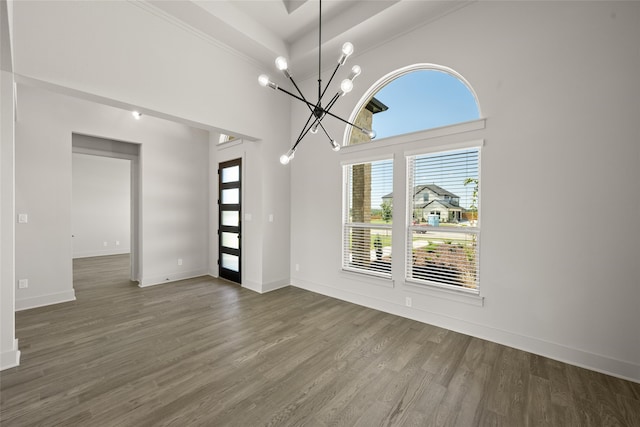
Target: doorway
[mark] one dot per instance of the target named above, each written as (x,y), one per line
(229,220)
(106,148)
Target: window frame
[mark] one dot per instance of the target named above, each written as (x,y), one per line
(347,226)
(410,228)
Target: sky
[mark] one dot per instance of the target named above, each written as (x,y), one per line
(417,101)
(421,100)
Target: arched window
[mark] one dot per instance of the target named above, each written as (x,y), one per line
(414,98)
(440,230)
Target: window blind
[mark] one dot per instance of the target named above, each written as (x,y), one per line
(367,217)
(443,217)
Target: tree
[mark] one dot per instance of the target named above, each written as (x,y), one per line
(474,197)
(387,211)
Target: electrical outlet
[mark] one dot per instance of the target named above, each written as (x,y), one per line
(104,243)
(408,302)
(297,267)
(179,261)
(117,242)
(23,283)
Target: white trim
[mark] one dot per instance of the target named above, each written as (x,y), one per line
(170,278)
(369,278)
(467,296)
(441,147)
(362,157)
(573,356)
(266,287)
(43,300)
(419,136)
(229,144)
(155,10)
(10,358)
(251,285)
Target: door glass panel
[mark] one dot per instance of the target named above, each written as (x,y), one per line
(230,240)
(231,196)
(231,218)
(231,174)
(230,262)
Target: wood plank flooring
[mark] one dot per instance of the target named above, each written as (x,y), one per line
(206,352)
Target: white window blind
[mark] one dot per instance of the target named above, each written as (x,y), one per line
(444,232)
(367,217)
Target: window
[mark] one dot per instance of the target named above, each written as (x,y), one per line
(368,217)
(443,235)
(415,98)
(439,235)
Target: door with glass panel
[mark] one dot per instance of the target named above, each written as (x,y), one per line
(229,223)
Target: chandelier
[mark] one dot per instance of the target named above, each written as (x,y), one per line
(317,110)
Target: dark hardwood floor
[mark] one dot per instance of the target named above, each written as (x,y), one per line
(206,352)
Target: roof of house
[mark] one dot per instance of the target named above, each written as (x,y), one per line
(431,187)
(442,203)
(375,106)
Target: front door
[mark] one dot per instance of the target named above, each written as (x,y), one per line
(229,222)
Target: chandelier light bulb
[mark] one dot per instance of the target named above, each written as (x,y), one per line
(347,49)
(314,128)
(136,114)
(355,72)
(286,158)
(281,63)
(369,132)
(346,86)
(335,145)
(263,80)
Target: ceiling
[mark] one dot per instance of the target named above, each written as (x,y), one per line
(265,29)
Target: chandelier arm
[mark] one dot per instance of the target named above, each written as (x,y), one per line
(326,133)
(330,79)
(300,92)
(333,101)
(346,122)
(303,133)
(296,97)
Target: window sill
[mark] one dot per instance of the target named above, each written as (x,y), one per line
(419,136)
(467,297)
(368,278)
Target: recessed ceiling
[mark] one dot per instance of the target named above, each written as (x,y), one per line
(265,29)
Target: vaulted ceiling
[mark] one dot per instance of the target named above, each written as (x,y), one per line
(265,29)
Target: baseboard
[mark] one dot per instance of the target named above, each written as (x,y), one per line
(263,288)
(10,358)
(42,300)
(275,285)
(252,286)
(572,356)
(91,254)
(169,278)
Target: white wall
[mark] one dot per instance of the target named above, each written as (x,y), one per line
(558,84)
(101,205)
(9,353)
(138,56)
(174,191)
